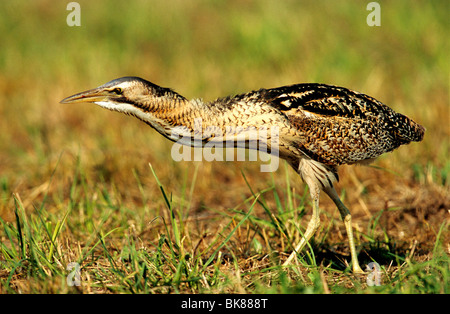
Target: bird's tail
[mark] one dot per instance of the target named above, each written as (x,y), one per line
(407,130)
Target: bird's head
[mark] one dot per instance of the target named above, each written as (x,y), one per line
(125,94)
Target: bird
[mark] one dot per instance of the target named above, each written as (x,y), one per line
(319,127)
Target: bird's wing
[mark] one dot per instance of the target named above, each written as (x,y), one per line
(335,125)
(320,100)
(324,100)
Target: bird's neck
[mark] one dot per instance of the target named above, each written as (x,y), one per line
(192,122)
(170,112)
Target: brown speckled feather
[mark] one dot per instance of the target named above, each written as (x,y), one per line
(339,126)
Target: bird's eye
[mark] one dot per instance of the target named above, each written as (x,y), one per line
(117,91)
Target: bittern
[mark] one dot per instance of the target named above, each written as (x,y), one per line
(319,127)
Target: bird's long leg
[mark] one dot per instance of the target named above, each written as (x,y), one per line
(347,218)
(311,229)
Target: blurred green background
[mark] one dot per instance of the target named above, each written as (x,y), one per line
(205,49)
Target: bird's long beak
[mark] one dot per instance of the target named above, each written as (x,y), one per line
(92,95)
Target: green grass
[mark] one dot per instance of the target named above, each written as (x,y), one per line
(117,256)
(75,181)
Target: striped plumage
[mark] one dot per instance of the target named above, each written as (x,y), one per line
(336,126)
(320,127)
